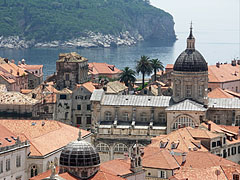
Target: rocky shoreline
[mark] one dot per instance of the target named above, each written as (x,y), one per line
(90,40)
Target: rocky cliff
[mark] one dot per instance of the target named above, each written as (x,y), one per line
(81,23)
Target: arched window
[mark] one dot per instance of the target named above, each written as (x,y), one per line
(48,165)
(84,174)
(34,171)
(183,121)
(56,161)
(102,147)
(143,117)
(121,148)
(108,116)
(237,120)
(125,116)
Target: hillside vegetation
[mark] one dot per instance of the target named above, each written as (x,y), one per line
(48,20)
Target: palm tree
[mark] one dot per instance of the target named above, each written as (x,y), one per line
(156,65)
(144,66)
(127,76)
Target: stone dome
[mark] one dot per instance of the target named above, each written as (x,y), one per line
(79,154)
(190,60)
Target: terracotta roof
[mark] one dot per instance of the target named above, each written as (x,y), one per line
(16,98)
(25,91)
(184,137)
(13,69)
(225,73)
(5,133)
(30,67)
(169,66)
(7,77)
(88,85)
(198,159)
(44,138)
(117,167)
(230,170)
(219,93)
(155,157)
(232,93)
(198,174)
(100,175)
(65,91)
(103,68)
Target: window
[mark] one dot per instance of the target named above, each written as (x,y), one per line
(7,164)
(224,153)
(67,77)
(162,174)
(200,90)
(48,165)
(237,120)
(18,161)
(235,176)
(216,119)
(63,96)
(89,119)
(229,150)
(84,174)
(56,161)
(224,140)
(125,116)
(234,149)
(79,120)
(34,171)
(238,149)
(121,148)
(218,143)
(1,166)
(213,144)
(183,121)
(108,116)
(89,107)
(19,178)
(143,117)
(78,107)
(162,118)
(178,90)
(102,147)
(188,90)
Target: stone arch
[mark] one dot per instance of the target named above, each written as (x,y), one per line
(183,120)
(120,148)
(102,147)
(33,169)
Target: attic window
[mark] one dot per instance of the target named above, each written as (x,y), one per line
(33,123)
(174,145)
(163,144)
(14,138)
(8,140)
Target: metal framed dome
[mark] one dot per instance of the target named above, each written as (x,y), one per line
(79,154)
(190,60)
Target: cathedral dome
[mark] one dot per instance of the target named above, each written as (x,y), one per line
(190,60)
(79,154)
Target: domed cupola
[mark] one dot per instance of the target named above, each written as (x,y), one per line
(190,74)
(79,158)
(190,60)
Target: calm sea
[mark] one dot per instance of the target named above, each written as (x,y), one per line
(216,29)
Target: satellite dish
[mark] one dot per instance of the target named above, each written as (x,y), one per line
(217,172)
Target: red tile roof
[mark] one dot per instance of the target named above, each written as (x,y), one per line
(30,67)
(5,133)
(88,85)
(44,138)
(225,73)
(102,68)
(219,93)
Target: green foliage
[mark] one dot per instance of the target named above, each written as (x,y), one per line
(127,76)
(156,65)
(46,20)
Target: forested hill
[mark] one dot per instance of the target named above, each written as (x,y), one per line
(49,20)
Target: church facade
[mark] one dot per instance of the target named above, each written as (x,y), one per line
(120,120)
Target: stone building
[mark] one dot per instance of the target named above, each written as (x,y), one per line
(121,119)
(47,139)
(13,155)
(71,69)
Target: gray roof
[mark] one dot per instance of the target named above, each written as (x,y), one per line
(97,95)
(225,103)
(186,105)
(134,100)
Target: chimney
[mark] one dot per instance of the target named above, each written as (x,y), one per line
(217,64)
(159,90)
(6,60)
(12,61)
(184,155)
(238,62)
(234,62)
(209,126)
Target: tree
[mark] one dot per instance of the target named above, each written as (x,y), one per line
(127,76)
(144,66)
(156,65)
